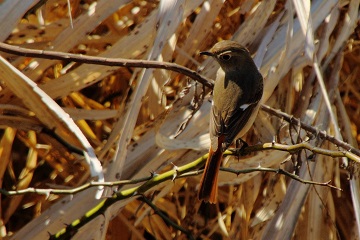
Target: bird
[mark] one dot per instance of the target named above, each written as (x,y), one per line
(237,92)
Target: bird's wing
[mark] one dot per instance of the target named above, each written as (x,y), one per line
(234,120)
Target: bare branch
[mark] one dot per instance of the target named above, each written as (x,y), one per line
(293,149)
(311,129)
(119,62)
(48,191)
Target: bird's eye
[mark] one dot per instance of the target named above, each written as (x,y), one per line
(225,57)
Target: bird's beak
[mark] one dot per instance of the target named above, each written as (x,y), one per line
(207,53)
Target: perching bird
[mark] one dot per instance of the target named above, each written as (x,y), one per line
(237,92)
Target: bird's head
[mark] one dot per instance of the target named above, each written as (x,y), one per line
(229,54)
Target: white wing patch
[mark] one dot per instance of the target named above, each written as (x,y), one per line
(244,106)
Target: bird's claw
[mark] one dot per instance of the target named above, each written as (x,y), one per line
(240,145)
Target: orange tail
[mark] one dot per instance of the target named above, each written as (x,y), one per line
(209,180)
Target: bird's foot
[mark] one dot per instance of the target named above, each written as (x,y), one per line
(240,146)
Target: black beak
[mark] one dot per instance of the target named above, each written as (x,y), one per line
(207,53)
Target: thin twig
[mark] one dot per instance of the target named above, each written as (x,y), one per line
(48,191)
(311,129)
(166,218)
(119,62)
(293,149)
(279,171)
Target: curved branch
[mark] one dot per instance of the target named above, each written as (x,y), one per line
(120,62)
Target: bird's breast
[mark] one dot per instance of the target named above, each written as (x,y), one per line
(227,92)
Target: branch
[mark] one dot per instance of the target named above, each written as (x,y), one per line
(293,149)
(70,230)
(48,191)
(177,172)
(119,62)
(311,129)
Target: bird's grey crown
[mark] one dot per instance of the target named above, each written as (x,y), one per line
(227,46)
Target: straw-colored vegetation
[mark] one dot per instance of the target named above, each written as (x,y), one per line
(131,122)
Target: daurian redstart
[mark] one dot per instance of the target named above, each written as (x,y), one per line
(237,92)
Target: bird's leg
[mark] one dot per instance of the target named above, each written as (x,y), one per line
(240,145)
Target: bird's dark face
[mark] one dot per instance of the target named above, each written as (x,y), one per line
(229,54)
